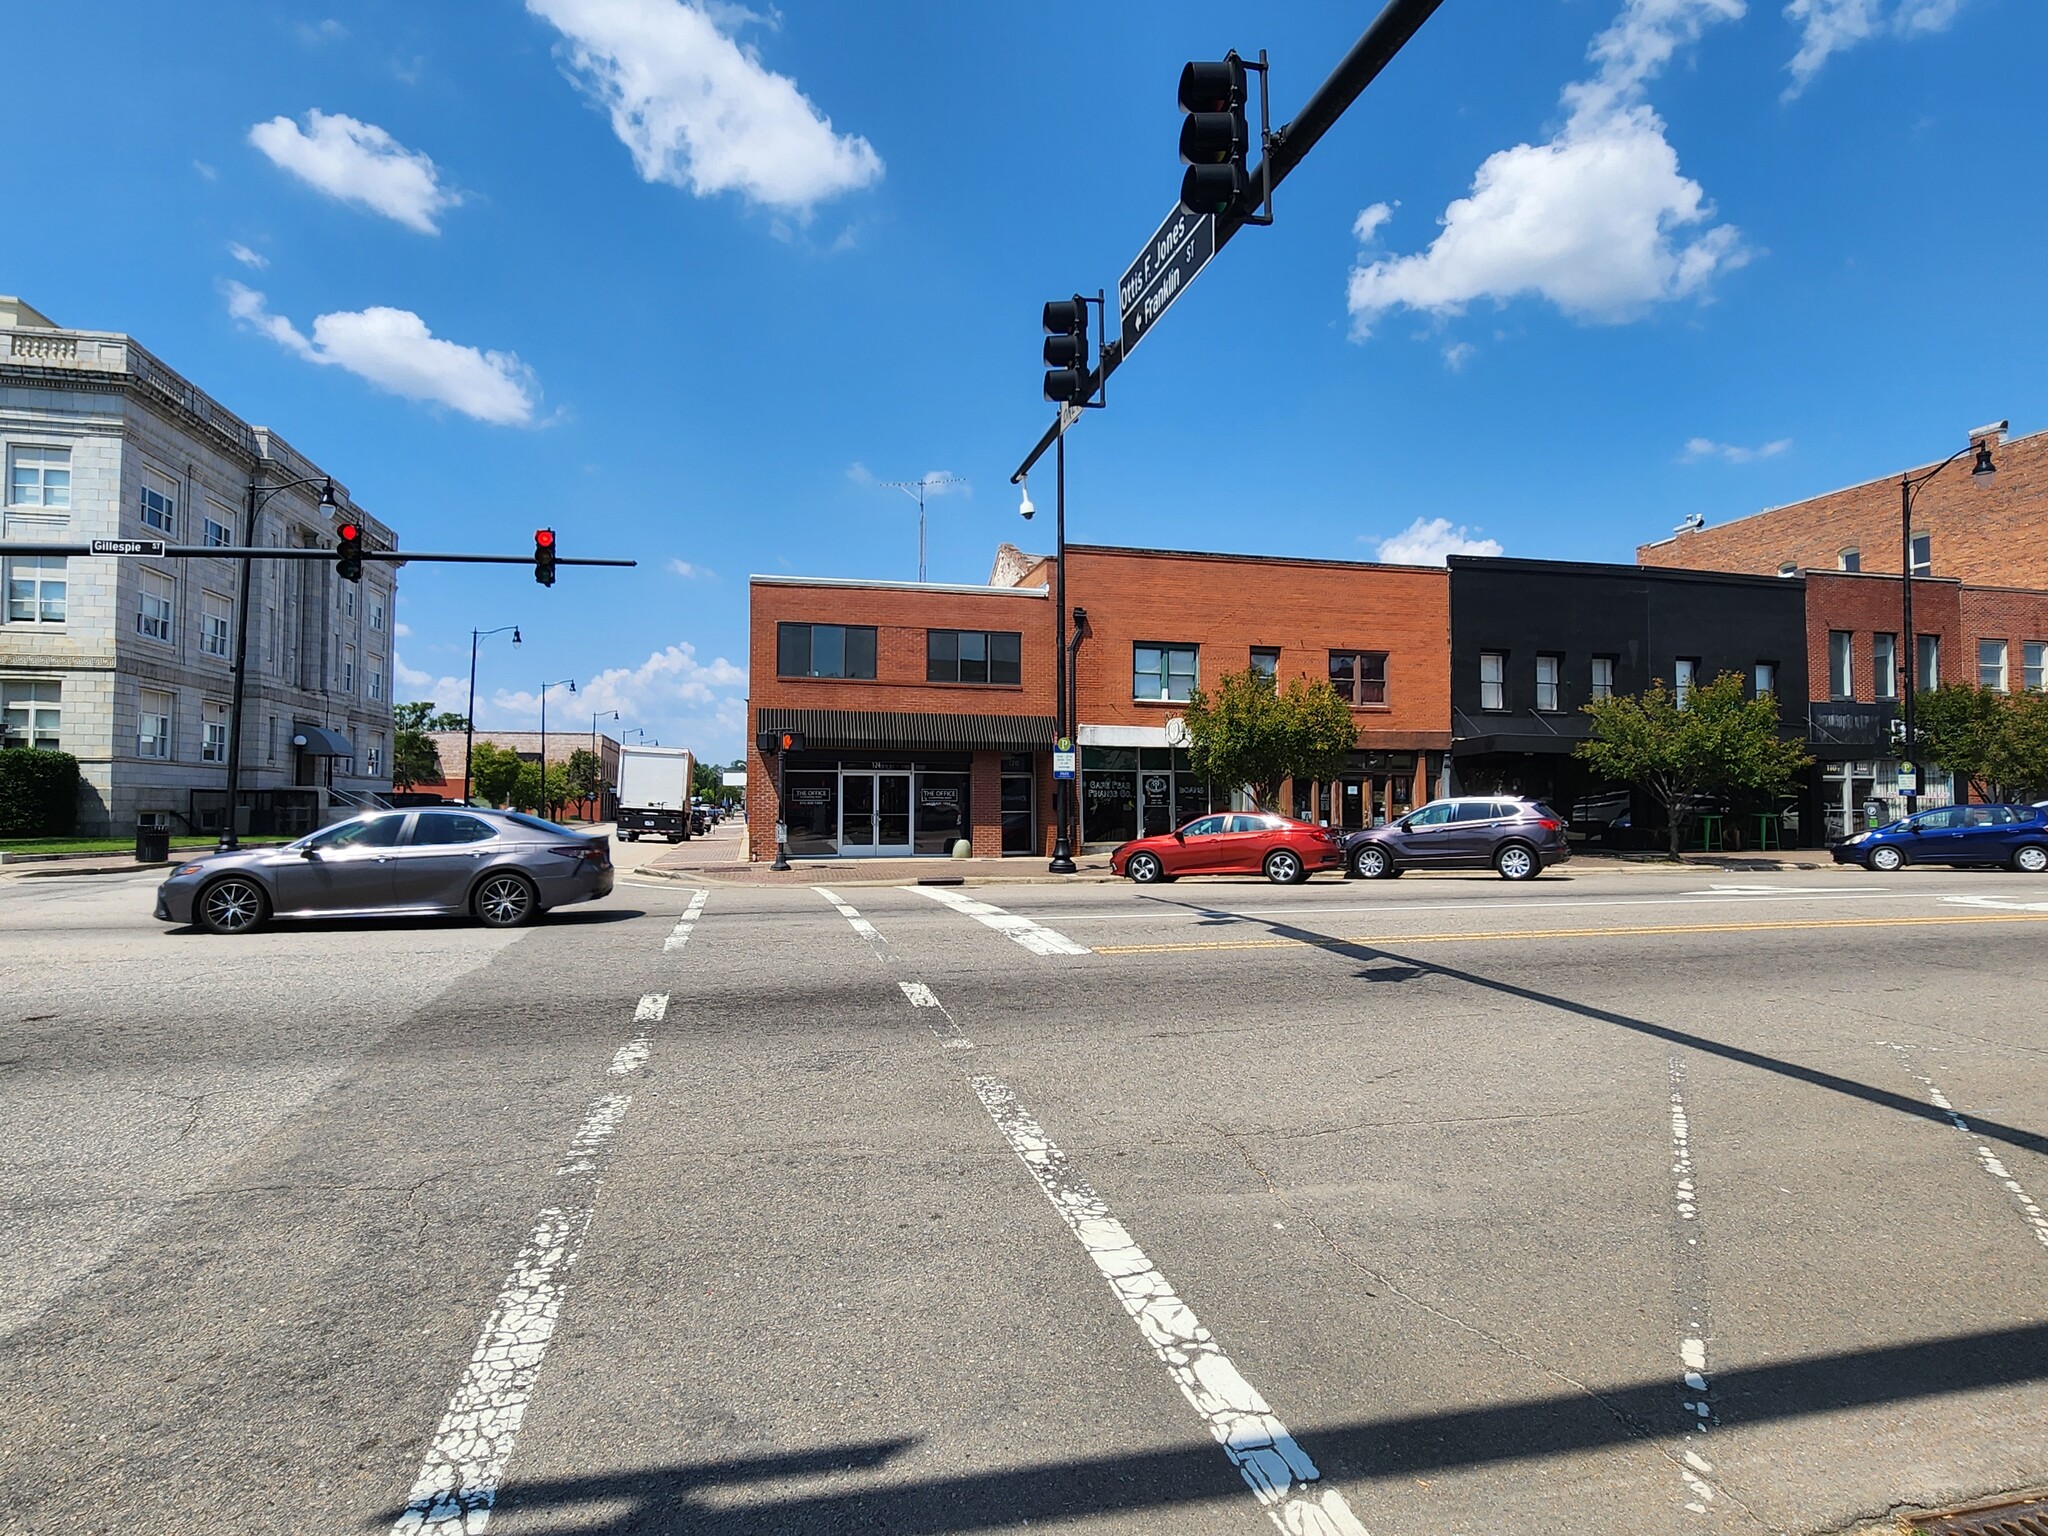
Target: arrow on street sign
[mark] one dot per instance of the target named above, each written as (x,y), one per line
(1178,249)
(154,548)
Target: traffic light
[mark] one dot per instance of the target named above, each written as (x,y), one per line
(1214,138)
(348,552)
(771,743)
(544,556)
(1066,350)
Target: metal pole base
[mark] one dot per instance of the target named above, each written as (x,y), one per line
(228,843)
(1062,860)
(781,858)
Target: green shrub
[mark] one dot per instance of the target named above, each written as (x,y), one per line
(38,793)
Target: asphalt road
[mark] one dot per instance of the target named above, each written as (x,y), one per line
(1621,1202)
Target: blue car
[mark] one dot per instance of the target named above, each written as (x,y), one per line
(2012,836)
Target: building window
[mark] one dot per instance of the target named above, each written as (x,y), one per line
(39,477)
(1603,677)
(1841,664)
(157,613)
(973,656)
(213,732)
(377,613)
(376,757)
(159,503)
(271,748)
(1991,665)
(1923,554)
(216,623)
(1850,560)
(1549,669)
(1265,665)
(31,714)
(348,599)
(1884,664)
(153,725)
(1685,673)
(1493,679)
(1930,662)
(35,589)
(1163,672)
(1766,679)
(348,669)
(376,677)
(1360,677)
(824,650)
(2034,661)
(214,532)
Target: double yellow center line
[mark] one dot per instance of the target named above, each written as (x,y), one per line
(1396,940)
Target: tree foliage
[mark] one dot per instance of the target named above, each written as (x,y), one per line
(415,760)
(1249,735)
(584,773)
(1720,741)
(422,716)
(493,772)
(38,793)
(526,792)
(1996,742)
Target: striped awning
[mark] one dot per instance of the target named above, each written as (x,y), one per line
(903,731)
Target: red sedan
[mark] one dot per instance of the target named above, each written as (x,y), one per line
(1285,851)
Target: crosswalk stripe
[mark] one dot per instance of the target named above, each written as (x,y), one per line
(1036,937)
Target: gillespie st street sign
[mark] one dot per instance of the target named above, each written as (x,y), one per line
(1178,249)
(154,548)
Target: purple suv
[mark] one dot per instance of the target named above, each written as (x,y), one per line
(1518,839)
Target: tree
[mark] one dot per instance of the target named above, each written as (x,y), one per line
(584,774)
(1249,735)
(706,782)
(493,772)
(1718,741)
(526,792)
(1996,742)
(421,716)
(414,759)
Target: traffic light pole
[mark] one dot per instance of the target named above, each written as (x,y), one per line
(781,814)
(1063,724)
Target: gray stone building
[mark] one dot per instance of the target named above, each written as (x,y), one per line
(127,663)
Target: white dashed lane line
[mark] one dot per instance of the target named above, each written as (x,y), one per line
(1035,937)
(1992,1164)
(1279,1473)
(681,934)
(1690,1268)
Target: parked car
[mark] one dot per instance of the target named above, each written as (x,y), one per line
(502,867)
(1518,839)
(412,799)
(1285,851)
(2015,836)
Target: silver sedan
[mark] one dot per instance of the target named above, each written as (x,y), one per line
(502,867)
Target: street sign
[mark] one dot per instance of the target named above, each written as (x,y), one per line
(1178,249)
(1064,763)
(1909,779)
(154,548)
(1069,414)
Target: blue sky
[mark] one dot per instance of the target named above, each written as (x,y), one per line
(688,282)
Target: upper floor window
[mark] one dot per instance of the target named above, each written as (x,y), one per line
(1884,664)
(1841,664)
(824,650)
(35,589)
(215,531)
(216,623)
(158,504)
(1163,672)
(157,605)
(2034,662)
(377,613)
(1766,679)
(153,724)
(1991,665)
(348,599)
(1603,677)
(973,656)
(376,679)
(1930,662)
(31,713)
(1360,677)
(213,732)
(1493,679)
(1549,669)
(1685,676)
(39,477)
(348,669)
(1265,664)
(1923,554)
(1849,560)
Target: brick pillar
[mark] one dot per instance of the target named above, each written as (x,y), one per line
(985,805)
(763,809)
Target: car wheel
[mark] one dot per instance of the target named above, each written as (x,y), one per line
(1516,862)
(1372,863)
(1886,859)
(1144,869)
(233,904)
(2031,860)
(1284,867)
(504,901)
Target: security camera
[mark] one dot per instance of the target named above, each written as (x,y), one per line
(1024,508)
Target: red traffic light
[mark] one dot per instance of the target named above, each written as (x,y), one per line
(350,533)
(544,538)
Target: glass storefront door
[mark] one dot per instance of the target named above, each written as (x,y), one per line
(874,813)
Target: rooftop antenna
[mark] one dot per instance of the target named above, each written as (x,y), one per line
(915,490)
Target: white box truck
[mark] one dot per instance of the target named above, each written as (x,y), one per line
(654,792)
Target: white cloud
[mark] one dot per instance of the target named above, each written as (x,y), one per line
(358,163)
(1458,354)
(1829,27)
(393,349)
(247,257)
(206,172)
(699,111)
(667,678)
(1430,541)
(319,34)
(1697,448)
(402,631)
(448,692)
(1597,220)
(859,473)
(690,572)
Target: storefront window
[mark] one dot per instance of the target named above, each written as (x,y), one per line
(812,812)
(941,811)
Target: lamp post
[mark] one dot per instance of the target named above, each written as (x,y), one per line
(230,839)
(596,752)
(560,682)
(1062,851)
(469,720)
(915,490)
(1909,486)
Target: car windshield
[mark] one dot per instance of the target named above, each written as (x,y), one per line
(370,832)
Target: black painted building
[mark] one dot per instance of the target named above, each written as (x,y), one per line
(1534,641)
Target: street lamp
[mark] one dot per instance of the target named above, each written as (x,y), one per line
(469,720)
(258,496)
(1062,851)
(1981,471)
(560,682)
(915,490)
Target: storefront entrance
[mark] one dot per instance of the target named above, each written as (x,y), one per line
(876,809)
(874,813)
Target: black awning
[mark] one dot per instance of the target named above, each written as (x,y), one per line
(1529,746)
(318,741)
(900,730)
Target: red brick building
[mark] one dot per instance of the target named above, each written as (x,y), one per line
(1985,534)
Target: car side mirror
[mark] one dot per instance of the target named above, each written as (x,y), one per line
(1179,836)
(309,853)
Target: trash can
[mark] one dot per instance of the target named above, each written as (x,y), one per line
(152,845)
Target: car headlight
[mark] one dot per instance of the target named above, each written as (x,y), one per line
(187,869)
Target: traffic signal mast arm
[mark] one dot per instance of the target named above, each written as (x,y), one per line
(270,552)
(1374,50)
